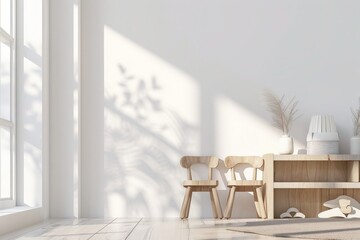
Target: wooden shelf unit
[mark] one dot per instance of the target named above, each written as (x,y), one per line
(307,181)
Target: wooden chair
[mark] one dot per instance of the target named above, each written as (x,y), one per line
(208,185)
(255,186)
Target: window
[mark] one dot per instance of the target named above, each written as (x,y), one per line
(7,103)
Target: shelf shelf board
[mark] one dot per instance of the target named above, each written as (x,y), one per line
(312,185)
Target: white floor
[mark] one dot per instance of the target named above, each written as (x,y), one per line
(136,229)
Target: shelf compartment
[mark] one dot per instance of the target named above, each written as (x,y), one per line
(316,171)
(308,201)
(316,185)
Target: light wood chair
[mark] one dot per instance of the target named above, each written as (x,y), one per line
(253,185)
(208,185)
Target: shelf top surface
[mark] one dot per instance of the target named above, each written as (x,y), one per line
(309,185)
(320,157)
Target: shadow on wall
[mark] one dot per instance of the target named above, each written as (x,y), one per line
(144,141)
(154,113)
(141,137)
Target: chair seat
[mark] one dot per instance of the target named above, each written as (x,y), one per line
(202,183)
(245,183)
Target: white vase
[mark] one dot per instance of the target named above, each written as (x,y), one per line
(355,145)
(286,145)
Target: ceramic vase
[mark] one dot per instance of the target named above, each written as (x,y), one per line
(355,145)
(286,145)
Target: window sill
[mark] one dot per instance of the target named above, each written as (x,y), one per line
(17,209)
(16,218)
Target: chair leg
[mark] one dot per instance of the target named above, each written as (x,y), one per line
(188,205)
(213,204)
(226,204)
(256,201)
(261,202)
(230,202)
(185,203)
(217,203)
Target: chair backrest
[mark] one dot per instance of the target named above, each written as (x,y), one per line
(254,161)
(210,161)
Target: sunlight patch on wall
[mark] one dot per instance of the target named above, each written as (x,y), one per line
(241,132)
(151,118)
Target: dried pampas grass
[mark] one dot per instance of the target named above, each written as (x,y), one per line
(283,114)
(356,120)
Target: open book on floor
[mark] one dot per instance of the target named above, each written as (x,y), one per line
(341,207)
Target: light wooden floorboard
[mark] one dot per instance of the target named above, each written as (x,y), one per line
(137,229)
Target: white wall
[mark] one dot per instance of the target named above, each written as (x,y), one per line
(162,79)
(64,95)
(92,110)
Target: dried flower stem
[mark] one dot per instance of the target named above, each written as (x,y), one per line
(283,114)
(356,120)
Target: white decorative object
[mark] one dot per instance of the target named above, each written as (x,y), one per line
(292,213)
(343,206)
(286,145)
(322,137)
(334,212)
(355,145)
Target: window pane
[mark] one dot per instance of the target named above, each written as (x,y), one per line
(5,13)
(5,85)
(5,163)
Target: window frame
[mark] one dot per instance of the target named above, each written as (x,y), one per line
(9,39)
